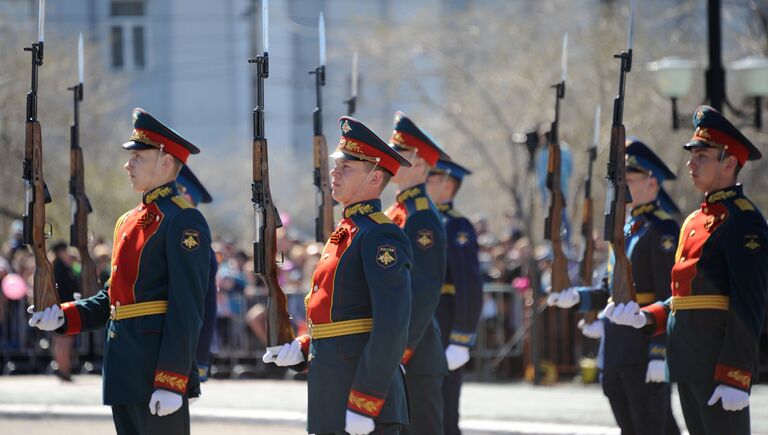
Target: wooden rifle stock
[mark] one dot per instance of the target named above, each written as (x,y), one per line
(622,284)
(45,293)
(279,329)
(324,220)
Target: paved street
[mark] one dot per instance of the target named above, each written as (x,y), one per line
(31,405)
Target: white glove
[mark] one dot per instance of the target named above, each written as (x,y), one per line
(285,356)
(565,299)
(358,424)
(456,356)
(164,403)
(47,320)
(657,371)
(628,314)
(592,330)
(733,399)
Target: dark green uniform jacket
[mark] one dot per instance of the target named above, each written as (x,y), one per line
(421,221)
(358,312)
(161,253)
(722,262)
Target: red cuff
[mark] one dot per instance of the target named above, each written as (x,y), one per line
(74,323)
(364,404)
(171,381)
(304,343)
(406,355)
(659,313)
(733,377)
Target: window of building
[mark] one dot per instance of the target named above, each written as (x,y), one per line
(117,47)
(128,34)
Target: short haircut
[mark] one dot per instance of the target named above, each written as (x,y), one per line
(385,175)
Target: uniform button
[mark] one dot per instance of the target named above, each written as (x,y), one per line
(326,256)
(682,259)
(353,230)
(722,216)
(677,284)
(692,233)
(315,289)
(157,218)
(706,210)
(125,236)
(114,268)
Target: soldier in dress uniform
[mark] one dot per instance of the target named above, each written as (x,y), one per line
(417,215)
(358,307)
(462,294)
(152,305)
(195,193)
(633,374)
(719,286)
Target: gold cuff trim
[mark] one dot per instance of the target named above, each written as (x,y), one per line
(120,312)
(703,302)
(337,329)
(448,289)
(645,298)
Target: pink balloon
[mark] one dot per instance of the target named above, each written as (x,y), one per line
(14,287)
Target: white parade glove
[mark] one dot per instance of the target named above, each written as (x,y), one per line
(592,330)
(565,299)
(628,314)
(732,398)
(358,424)
(456,356)
(657,371)
(285,356)
(164,403)
(47,320)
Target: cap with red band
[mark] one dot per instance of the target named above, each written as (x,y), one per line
(713,130)
(408,136)
(148,133)
(358,142)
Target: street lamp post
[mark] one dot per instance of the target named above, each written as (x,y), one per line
(675,75)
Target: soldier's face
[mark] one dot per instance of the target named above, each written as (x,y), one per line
(642,187)
(706,169)
(350,181)
(438,188)
(141,168)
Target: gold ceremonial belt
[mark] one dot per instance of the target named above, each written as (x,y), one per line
(120,312)
(645,298)
(703,302)
(448,289)
(337,329)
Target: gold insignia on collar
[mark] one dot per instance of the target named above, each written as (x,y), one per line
(190,240)
(424,239)
(751,242)
(722,195)
(642,209)
(160,192)
(408,194)
(386,256)
(345,127)
(362,209)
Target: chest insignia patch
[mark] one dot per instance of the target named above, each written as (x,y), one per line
(667,243)
(462,238)
(751,242)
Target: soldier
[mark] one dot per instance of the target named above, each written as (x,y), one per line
(195,193)
(462,293)
(152,304)
(358,307)
(417,215)
(633,377)
(719,286)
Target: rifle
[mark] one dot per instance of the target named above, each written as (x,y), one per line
(352,102)
(587,226)
(617,194)
(324,219)
(81,206)
(266,218)
(553,222)
(37,195)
